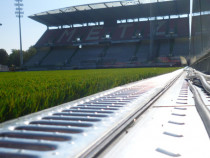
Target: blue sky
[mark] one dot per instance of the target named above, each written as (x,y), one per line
(31,30)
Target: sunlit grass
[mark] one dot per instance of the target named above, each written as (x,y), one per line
(22,93)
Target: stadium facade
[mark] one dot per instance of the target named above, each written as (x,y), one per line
(122,34)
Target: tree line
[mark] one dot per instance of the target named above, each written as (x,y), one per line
(13,59)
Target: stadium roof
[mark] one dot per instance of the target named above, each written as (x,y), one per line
(117,10)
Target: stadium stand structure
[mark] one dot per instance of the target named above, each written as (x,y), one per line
(36,59)
(58,57)
(114,34)
(86,57)
(120,33)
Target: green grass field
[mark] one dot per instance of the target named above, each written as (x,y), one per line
(22,93)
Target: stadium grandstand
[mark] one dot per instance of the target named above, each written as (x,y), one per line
(118,34)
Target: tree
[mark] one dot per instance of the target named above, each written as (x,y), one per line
(14,58)
(3,57)
(29,53)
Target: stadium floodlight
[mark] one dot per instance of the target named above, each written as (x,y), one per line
(19,14)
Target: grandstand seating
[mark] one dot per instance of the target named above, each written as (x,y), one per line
(120,53)
(161,28)
(35,60)
(164,49)
(145,29)
(123,31)
(142,53)
(128,45)
(86,57)
(182,27)
(172,27)
(49,37)
(58,57)
(181,48)
(114,55)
